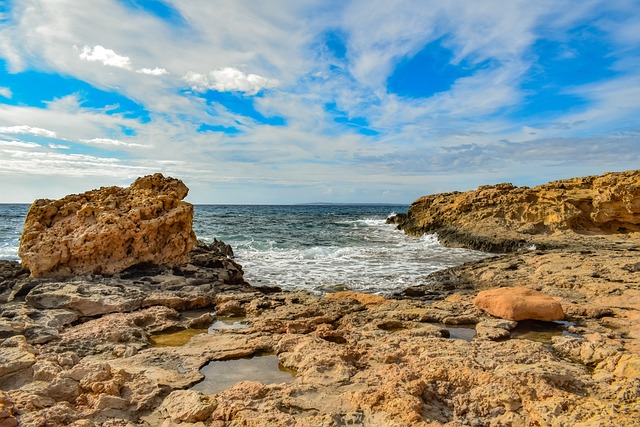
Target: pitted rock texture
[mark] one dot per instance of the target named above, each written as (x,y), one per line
(107,230)
(502,217)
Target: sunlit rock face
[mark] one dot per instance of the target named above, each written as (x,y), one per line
(105,231)
(498,217)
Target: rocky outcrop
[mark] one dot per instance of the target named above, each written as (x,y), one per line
(503,217)
(107,230)
(86,351)
(519,304)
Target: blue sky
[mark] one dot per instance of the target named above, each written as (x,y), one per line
(315,101)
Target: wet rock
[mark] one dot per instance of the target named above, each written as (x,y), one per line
(217,247)
(107,230)
(494,329)
(519,304)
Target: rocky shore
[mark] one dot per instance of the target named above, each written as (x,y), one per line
(126,348)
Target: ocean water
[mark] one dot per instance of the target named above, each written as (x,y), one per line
(321,248)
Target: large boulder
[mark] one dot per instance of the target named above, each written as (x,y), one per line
(107,230)
(519,304)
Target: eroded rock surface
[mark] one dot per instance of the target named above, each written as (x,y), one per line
(70,357)
(107,230)
(499,218)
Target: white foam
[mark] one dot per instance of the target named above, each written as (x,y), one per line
(391,262)
(9,252)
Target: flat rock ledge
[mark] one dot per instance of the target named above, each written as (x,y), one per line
(80,352)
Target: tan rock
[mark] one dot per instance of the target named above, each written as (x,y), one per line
(107,230)
(364,299)
(500,217)
(519,304)
(15,355)
(188,406)
(7,412)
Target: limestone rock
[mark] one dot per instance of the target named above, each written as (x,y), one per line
(519,304)
(15,355)
(364,299)
(501,218)
(88,299)
(7,412)
(188,406)
(107,230)
(494,329)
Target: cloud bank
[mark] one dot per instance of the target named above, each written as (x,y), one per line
(374,100)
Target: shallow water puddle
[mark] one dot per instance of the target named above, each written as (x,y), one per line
(459,332)
(223,322)
(222,374)
(175,339)
(539,331)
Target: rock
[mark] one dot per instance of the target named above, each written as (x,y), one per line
(217,247)
(181,288)
(503,217)
(7,412)
(364,299)
(107,230)
(519,304)
(494,329)
(63,389)
(15,355)
(86,298)
(38,326)
(10,274)
(188,406)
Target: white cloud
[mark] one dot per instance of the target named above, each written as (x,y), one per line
(20,144)
(107,56)
(110,142)
(153,72)
(59,146)
(24,129)
(229,79)
(6,92)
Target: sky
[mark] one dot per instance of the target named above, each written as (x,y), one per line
(279,101)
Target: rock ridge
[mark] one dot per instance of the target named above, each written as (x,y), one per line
(506,218)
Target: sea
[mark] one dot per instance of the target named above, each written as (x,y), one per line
(318,247)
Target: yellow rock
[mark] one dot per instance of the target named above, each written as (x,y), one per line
(364,299)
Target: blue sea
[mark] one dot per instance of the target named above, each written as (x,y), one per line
(320,248)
